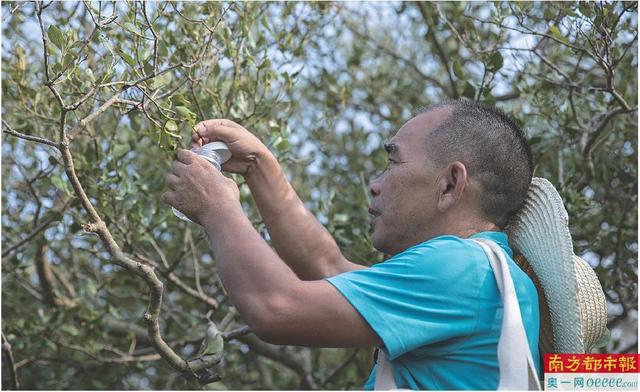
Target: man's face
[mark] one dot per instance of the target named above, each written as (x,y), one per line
(405,196)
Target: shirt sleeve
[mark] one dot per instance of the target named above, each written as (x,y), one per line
(422,296)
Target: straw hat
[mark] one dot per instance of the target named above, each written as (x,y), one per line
(573,310)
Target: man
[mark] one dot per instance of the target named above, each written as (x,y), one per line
(456,171)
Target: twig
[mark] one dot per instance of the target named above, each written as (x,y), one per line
(236,333)
(196,270)
(122,358)
(624,52)
(591,143)
(484,76)
(45,48)
(6,349)
(155,37)
(85,121)
(173,278)
(408,62)
(526,31)
(339,368)
(161,254)
(34,233)
(83,99)
(439,50)
(30,138)
(552,66)
(283,355)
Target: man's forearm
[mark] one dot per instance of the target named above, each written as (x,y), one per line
(251,272)
(296,234)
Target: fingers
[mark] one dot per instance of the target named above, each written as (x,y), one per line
(177,168)
(172,181)
(217,122)
(187,157)
(215,129)
(196,140)
(168,197)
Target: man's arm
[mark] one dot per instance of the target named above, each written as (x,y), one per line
(298,237)
(279,307)
(302,242)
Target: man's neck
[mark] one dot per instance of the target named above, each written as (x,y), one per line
(465,233)
(464,228)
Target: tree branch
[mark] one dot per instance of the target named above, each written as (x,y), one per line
(409,63)
(45,276)
(155,37)
(85,121)
(45,48)
(35,232)
(443,56)
(11,364)
(592,142)
(236,333)
(173,278)
(146,272)
(281,354)
(37,139)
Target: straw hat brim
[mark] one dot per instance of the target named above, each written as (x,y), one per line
(573,311)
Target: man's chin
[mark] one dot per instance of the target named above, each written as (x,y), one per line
(380,244)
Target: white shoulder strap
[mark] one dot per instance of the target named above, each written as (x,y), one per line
(514,354)
(384,373)
(517,371)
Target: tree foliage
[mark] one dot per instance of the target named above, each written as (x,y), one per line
(97,96)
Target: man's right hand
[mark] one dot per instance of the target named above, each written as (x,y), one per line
(246,149)
(298,237)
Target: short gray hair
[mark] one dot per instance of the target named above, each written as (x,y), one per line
(494,150)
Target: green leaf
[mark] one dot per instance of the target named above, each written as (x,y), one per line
(495,62)
(213,343)
(341,218)
(457,70)
(171,126)
(53,160)
(75,227)
(56,36)
(120,150)
(489,99)
(58,182)
(184,112)
(68,58)
(91,288)
(89,74)
(57,67)
(265,64)
(161,80)
(469,91)
(179,100)
(128,59)
(585,8)
(555,31)
(549,12)
(132,28)
(69,329)
(283,145)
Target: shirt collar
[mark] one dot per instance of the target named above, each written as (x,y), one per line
(499,237)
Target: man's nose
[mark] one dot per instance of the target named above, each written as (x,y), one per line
(374,186)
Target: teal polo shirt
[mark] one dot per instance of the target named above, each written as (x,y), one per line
(438,311)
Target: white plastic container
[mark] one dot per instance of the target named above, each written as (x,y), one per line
(215,152)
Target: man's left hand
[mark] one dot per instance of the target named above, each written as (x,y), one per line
(198,190)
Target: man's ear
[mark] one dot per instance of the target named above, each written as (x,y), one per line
(452,185)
